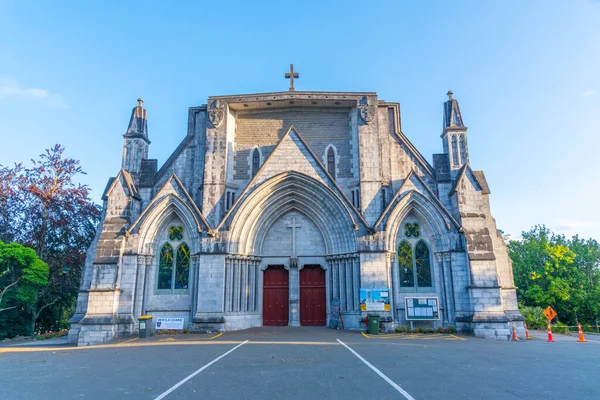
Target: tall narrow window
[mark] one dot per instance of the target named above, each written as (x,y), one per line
(423,264)
(356,198)
(454,151)
(165,267)
(229,199)
(405,265)
(255,162)
(182,271)
(331,162)
(392,120)
(463,148)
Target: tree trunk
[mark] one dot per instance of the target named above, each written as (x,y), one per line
(36,313)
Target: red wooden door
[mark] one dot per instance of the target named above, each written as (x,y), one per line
(313,310)
(275,296)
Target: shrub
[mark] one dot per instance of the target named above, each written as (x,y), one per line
(535,317)
(52,335)
(559,327)
(449,329)
(172,331)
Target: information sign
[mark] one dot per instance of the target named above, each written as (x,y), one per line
(422,308)
(169,323)
(375,299)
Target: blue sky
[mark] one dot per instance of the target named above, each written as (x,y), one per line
(526,74)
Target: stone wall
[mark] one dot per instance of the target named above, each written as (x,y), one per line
(318,127)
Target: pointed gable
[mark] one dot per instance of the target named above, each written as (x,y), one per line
(292,154)
(125,181)
(414,183)
(173,188)
(477,179)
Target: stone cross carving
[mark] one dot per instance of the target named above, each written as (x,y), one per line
(291,75)
(293,225)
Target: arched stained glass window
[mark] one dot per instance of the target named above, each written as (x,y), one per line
(331,162)
(174,267)
(423,264)
(182,271)
(165,267)
(405,265)
(255,161)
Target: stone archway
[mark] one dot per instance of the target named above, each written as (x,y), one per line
(295,237)
(293,220)
(264,205)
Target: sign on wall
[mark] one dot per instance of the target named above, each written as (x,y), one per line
(422,308)
(375,299)
(169,323)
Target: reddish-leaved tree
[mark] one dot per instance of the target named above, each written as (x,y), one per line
(50,212)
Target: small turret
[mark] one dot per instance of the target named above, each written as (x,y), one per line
(135,145)
(454,136)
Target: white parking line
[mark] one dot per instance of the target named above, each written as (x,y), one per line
(163,395)
(378,372)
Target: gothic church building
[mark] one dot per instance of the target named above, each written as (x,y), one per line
(275,204)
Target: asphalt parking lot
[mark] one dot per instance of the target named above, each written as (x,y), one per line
(304,363)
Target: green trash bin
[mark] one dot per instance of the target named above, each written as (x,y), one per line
(145,322)
(373,327)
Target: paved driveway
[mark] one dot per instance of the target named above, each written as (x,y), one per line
(304,363)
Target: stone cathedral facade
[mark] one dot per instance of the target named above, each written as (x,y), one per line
(275,204)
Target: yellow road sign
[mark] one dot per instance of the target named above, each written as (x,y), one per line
(549,313)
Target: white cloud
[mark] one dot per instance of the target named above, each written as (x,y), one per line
(588,93)
(571,227)
(9,87)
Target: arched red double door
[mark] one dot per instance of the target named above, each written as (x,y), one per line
(313,308)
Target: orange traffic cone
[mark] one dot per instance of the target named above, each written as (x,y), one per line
(581,337)
(514,332)
(550,337)
(526,331)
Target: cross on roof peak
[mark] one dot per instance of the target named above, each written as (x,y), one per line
(291,75)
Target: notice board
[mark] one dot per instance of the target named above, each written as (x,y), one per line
(422,308)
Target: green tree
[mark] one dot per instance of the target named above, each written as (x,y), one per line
(587,262)
(22,274)
(550,270)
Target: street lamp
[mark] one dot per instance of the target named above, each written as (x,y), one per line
(65,271)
